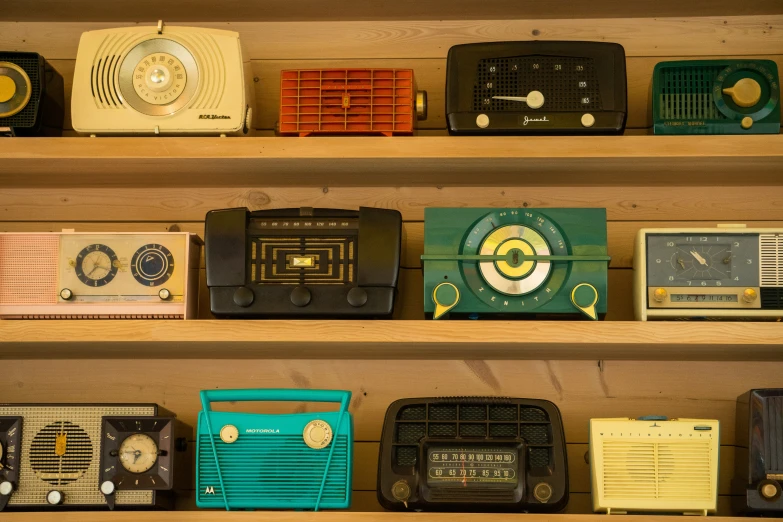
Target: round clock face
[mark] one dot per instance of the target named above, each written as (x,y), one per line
(96,265)
(138,453)
(152,265)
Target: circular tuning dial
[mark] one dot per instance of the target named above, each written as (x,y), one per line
(745,93)
(7,88)
(15,89)
(152,265)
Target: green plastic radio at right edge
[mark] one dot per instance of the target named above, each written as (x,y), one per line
(584,259)
(269,466)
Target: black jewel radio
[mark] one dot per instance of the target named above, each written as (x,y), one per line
(303,262)
(536,88)
(473,454)
(91,455)
(31,96)
(758,463)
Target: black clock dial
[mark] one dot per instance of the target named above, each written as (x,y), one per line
(96,265)
(152,265)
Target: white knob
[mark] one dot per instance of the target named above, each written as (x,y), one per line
(164,294)
(54,497)
(588,120)
(6,488)
(229,434)
(482,120)
(535,99)
(107,488)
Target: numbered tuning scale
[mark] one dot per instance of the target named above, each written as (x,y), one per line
(10,446)
(536,88)
(515,262)
(144,454)
(716,97)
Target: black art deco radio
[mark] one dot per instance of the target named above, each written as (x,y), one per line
(31,96)
(78,275)
(536,88)
(473,454)
(758,460)
(303,262)
(91,455)
(169,80)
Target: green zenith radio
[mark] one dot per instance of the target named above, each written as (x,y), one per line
(515,262)
(730,96)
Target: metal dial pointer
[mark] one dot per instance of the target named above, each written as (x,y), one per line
(699,258)
(534,99)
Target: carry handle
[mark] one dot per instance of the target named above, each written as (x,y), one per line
(275,394)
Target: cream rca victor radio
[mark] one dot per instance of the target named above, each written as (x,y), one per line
(728,272)
(654,464)
(172,80)
(75,275)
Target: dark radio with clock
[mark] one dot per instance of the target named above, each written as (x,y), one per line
(729,272)
(473,454)
(128,456)
(303,262)
(536,87)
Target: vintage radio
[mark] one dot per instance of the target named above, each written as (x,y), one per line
(654,464)
(758,460)
(473,454)
(274,461)
(350,101)
(536,88)
(729,272)
(516,262)
(91,455)
(303,262)
(172,80)
(727,96)
(80,275)
(31,96)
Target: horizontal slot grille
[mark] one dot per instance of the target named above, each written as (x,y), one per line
(471,420)
(660,471)
(773,434)
(281,468)
(771,260)
(474,495)
(685,93)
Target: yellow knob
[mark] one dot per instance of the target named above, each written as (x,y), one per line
(7,88)
(769,491)
(745,93)
(747,122)
(749,295)
(660,294)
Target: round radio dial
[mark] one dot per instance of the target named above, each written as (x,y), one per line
(138,453)
(317,434)
(159,78)
(7,88)
(229,433)
(745,93)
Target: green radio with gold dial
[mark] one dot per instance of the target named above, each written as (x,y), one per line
(515,262)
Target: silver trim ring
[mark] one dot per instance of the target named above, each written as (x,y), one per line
(496,279)
(141,51)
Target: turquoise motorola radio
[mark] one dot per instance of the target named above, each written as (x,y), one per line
(515,262)
(274,461)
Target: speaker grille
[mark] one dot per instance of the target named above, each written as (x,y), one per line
(773,434)
(40,465)
(565,81)
(29,62)
(327,260)
(771,260)
(686,93)
(471,420)
(28,268)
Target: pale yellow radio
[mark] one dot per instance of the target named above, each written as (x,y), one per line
(74,275)
(654,464)
(164,80)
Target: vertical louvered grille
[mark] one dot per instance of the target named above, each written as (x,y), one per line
(272,467)
(657,470)
(686,93)
(771,260)
(471,420)
(773,427)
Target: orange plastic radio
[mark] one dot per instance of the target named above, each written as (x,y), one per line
(77,275)
(350,101)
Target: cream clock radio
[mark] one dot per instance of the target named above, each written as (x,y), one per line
(164,80)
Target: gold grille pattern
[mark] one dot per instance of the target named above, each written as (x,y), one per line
(303,260)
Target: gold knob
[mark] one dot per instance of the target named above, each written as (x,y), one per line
(229,434)
(317,434)
(542,492)
(660,294)
(7,88)
(749,295)
(745,93)
(401,491)
(769,491)
(747,122)
(421,105)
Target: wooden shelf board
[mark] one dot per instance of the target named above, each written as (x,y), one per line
(298,339)
(420,160)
